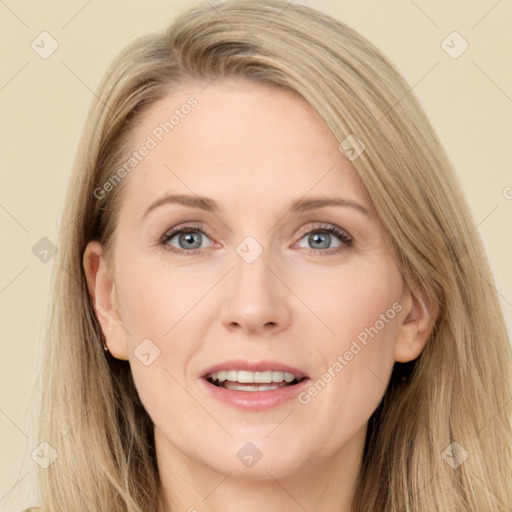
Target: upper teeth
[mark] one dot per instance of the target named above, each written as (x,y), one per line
(259,377)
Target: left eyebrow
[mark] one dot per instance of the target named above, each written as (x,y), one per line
(303,205)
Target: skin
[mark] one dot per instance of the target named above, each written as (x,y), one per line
(254,150)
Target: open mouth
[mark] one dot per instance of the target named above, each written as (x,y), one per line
(242,380)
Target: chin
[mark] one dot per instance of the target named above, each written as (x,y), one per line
(260,458)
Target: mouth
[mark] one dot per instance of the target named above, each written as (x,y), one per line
(244,380)
(254,385)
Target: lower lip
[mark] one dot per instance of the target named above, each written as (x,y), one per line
(256,400)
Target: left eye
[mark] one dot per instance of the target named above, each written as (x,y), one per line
(321,238)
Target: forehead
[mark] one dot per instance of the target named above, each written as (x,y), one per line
(237,139)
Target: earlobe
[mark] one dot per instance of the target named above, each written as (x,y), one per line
(102,290)
(419,318)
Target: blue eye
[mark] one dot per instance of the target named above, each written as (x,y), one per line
(189,239)
(321,237)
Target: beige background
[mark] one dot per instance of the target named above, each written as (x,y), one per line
(44,103)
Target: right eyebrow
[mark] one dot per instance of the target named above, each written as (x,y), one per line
(204,203)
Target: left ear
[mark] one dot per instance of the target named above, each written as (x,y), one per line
(418,321)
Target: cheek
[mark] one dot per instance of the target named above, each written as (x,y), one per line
(358,301)
(361,306)
(160,311)
(154,300)
(164,320)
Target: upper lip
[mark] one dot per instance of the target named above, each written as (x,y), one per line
(254,366)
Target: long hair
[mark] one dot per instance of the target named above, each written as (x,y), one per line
(440,439)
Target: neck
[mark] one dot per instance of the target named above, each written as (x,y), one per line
(323,486)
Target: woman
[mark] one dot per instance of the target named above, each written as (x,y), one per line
(270,292)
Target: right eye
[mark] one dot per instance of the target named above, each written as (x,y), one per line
(185,240)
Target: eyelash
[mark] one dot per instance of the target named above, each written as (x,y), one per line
(345,239)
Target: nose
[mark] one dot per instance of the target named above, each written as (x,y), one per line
(257,302)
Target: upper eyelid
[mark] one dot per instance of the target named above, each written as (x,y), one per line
(189,226)
(305,231)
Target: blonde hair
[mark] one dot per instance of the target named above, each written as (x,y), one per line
(457,389)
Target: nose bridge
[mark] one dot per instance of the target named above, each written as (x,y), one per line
(255,300)
(251,270)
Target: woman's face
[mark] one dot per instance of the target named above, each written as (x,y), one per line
(281,271)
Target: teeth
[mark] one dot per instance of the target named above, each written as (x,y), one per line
(236,386)
(245,377)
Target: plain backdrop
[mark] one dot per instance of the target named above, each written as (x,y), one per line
(44,102)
